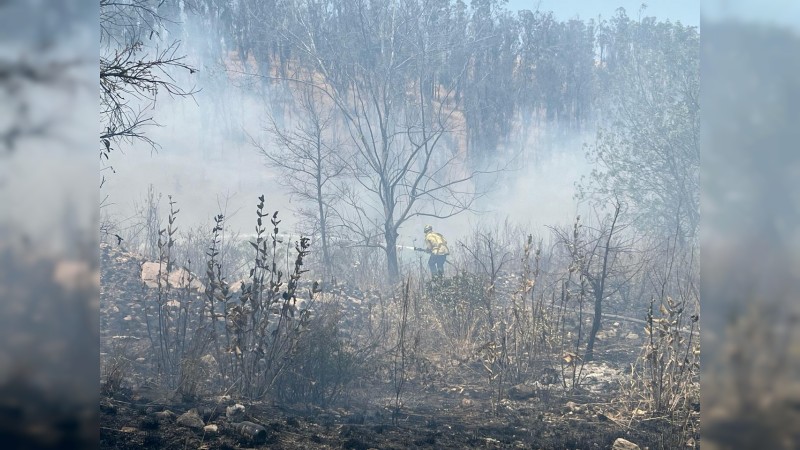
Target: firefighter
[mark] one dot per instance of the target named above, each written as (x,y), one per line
(437,247)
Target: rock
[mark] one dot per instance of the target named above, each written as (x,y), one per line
(128,429)
(209,413)
(549,376)
(191,419)
(573,406)
(521,392)
(178,278)
(107,408)
(211,429)
(252,431)
(467,402)
(149,423)
(632,337)
(235,413)
(223,399)
(173,304)
(624,444)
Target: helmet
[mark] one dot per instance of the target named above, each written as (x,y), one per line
(428,228)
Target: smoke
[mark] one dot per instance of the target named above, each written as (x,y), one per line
(543,191)
(536,190)
(204,157)
(207,162)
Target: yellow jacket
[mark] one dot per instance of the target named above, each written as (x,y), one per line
(437,244)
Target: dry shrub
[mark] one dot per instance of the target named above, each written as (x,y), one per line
(115,367)
(322,365)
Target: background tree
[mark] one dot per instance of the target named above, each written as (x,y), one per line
(648,152)
(308,157)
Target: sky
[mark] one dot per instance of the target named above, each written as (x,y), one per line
(687,11)
(777,12)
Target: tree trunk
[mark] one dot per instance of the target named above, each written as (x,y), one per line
(323,223)
(598,315)
(323,232)
(599,288)
(391,254)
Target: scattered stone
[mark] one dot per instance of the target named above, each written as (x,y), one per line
(607,334)
(128,430)
(223,399)
(467,402)
(209,413)
(191,419)
(166,414)
(149,423)
(107,408)
(572,407)
(211,429)
(624,444)
(235,413)
(521,392)
(549,376)
(632,337)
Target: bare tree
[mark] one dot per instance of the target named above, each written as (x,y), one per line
(599,275)
(401,168)
(308,158)
(604,258)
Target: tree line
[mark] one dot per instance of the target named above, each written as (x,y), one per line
(415,103)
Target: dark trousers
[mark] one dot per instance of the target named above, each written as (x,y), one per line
(436,264)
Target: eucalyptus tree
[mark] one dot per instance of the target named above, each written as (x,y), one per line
(647,150)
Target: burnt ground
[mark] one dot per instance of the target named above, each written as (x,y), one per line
(439,422)
(433,415)
(454,408)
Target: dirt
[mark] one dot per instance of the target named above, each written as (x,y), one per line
(434,419)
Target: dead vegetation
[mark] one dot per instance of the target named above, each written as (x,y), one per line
(494,354)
